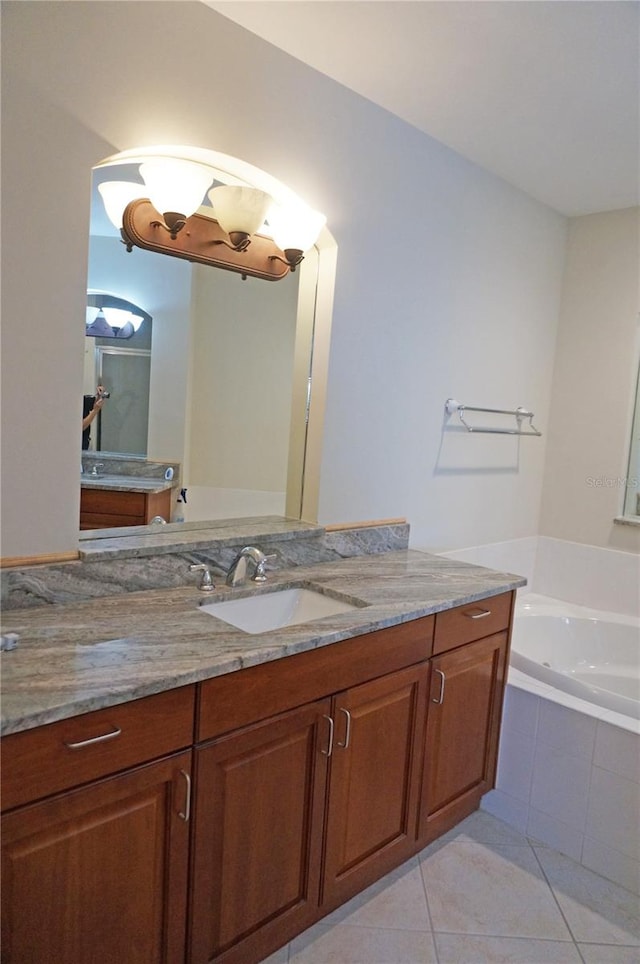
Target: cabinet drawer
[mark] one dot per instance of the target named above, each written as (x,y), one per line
(113,503)
(107,520)
(45,760)
(238,699)
(461,625)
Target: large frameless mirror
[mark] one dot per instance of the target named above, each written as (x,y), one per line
(220,377)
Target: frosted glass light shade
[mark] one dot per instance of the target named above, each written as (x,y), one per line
(126,331)
(115,197)
(240,209)
(119,317)
(100,327)
(295,226)
(174,185)
(102,321)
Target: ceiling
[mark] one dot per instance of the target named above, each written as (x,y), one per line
(543,93)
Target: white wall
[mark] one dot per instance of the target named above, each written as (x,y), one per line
(448,279)
(596,368)
(241,380)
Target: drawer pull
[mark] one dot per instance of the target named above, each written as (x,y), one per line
(347,736)
(95,739)
(443,678)
(479,615)
(186,813)
(329,749)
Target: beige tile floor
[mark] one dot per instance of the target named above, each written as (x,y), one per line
(482,893)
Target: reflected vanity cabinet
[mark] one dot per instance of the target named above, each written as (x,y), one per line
(311,777)
(106,508)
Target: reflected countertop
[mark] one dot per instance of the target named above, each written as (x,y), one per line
(125,483)
(72,659)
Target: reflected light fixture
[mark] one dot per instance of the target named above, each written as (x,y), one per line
(109,316)
(170,220)
(100,327)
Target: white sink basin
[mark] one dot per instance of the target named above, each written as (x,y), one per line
(274,610)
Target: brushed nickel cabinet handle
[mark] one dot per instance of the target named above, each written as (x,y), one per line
(96,739)
(443,679)
(329,749)
(347,735)
(479,615)
(186,813)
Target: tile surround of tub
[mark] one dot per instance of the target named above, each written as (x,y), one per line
(514,555)
(586,575)
(555,749)
(571,782)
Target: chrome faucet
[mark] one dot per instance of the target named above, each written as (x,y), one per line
(206,583)
(237,574)
(96,466)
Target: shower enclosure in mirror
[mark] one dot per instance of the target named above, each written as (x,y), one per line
(631,507)
(117,355)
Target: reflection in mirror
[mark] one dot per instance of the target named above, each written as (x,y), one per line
(632,487)
(228,378)
(117,356)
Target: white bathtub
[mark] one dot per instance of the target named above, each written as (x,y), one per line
(592,655)
(569,760)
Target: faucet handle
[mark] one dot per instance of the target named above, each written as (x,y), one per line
(206,583)
(260,573)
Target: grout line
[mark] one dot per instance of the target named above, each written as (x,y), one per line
(429,918)
(553,894)
(510,937)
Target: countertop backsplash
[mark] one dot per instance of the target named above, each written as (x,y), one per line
(138,559)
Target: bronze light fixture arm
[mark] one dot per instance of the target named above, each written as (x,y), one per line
(292,257)
(173,222)
(240,241)
(202,240)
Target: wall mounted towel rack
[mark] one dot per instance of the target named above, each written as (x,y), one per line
(520,414)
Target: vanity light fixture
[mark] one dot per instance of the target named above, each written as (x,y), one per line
(170,220)
(294,229)
(115,197)
(176,189)
(240,211)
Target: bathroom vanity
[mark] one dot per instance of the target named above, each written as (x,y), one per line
(230,789)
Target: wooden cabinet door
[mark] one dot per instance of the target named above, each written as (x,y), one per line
(258,835)
(98,875)
(463,723)
(374,781)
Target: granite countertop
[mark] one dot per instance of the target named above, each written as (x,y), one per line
(125,483)
(76,658)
